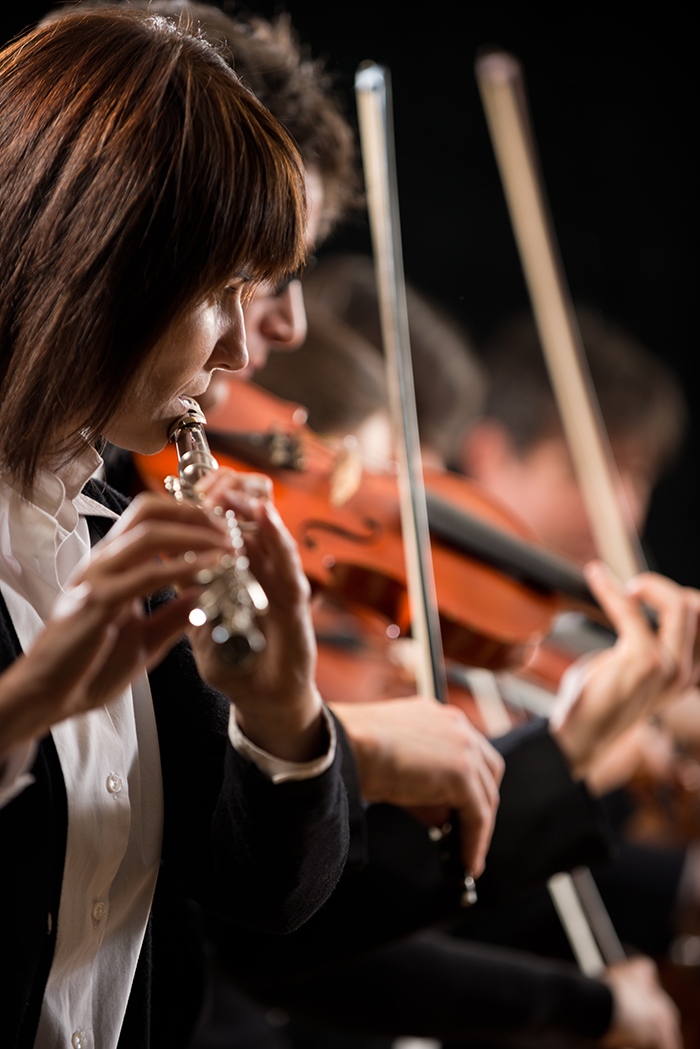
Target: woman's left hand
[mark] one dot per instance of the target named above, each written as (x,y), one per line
(277,704)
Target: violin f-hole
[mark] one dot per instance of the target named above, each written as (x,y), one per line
(373,534)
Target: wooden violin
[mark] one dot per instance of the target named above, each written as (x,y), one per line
(498,589)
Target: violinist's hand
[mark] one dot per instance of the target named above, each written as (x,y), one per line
(681,717)
(99,637)
(645,669)
(416,752)
(644,1017)
(646,749)
(278,706)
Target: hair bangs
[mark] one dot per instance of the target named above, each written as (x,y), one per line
(257,208)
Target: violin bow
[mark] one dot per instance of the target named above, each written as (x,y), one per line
(373,92)
(593,938)
(502,91)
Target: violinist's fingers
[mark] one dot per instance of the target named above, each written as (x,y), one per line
(643,671)
(665,654)
(677,609)
(477,820)
(623,611)
(479,797)
(644,1017)
(494,761)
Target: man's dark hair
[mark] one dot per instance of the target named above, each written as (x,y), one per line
(270,59)
(639,395)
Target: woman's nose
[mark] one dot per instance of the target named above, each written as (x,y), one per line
(231,349)
(283,322)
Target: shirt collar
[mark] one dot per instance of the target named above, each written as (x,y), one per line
(53,488)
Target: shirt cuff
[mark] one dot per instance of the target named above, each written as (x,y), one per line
(279,770)
(14,771)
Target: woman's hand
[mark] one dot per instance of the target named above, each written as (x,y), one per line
(644,670)
(277,704)
(99,637)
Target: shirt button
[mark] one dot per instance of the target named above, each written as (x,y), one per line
(99,911)
(79,1040)
(114,783)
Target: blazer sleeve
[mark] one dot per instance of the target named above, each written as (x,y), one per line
(264,855)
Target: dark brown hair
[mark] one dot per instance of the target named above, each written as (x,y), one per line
(137,176)
(295,88)
(639,395)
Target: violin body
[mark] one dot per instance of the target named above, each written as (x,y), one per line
(351,544)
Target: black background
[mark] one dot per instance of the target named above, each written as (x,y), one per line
(613,102)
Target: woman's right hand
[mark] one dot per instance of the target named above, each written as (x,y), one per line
(99,637)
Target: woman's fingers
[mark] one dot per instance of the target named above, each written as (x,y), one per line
(150,540)
(108,589)
(218,483)
(150,507)
(273,553)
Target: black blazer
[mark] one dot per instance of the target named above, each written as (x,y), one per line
(265,856)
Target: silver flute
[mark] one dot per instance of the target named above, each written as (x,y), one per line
(233,598)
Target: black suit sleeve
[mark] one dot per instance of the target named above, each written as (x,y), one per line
(435,987)
(546,822)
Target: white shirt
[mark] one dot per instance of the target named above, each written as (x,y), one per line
(111,767)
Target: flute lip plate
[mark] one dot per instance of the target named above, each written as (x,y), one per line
(194,416)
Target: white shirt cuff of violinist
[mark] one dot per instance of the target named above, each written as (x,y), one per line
(14,771)
(570,687)
(279,770)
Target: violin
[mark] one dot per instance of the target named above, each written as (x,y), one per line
(498,590)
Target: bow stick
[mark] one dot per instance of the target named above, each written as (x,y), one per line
(372,91)
(503,94)
(499,77)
